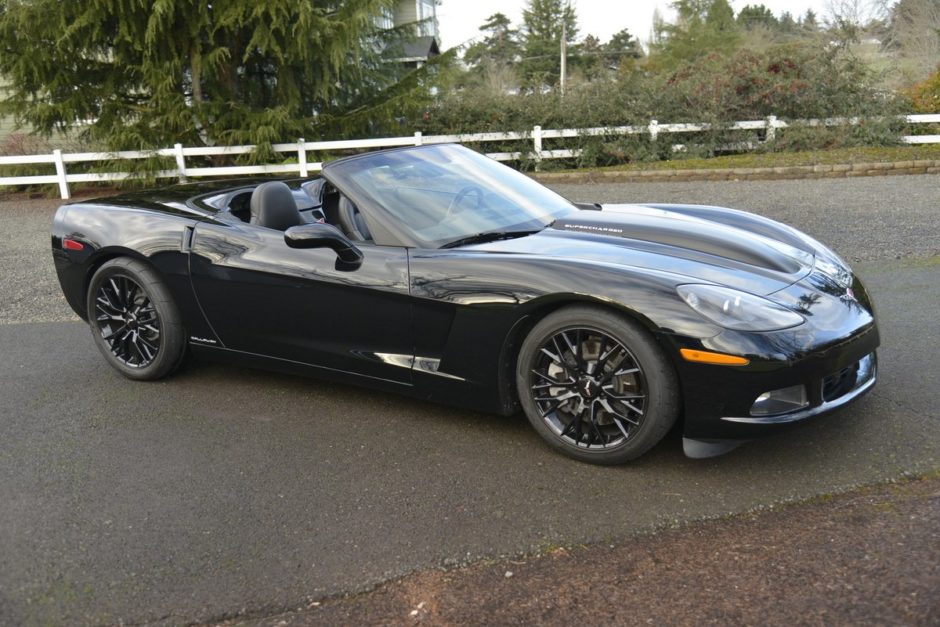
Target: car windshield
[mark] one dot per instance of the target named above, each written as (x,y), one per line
(450,195)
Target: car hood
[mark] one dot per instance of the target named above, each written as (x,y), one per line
(657,239)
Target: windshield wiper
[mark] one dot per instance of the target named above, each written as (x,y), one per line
(488,236)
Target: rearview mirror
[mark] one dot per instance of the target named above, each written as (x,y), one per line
(325,236)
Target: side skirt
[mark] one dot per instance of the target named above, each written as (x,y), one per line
(276,364)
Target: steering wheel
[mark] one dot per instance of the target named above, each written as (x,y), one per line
(463,193)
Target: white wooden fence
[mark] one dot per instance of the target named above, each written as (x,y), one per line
(303,167)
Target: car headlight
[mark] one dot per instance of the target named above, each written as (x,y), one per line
(737,310)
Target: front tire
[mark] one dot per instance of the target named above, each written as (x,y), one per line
(595,385)
(134,321)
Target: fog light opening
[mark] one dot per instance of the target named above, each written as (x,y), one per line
(781,401)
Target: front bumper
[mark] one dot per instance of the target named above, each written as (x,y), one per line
(863,376)
(718,399)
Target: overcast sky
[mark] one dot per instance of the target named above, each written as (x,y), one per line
(460,20)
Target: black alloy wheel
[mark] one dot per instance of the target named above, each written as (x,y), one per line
(588,387)
(134,320)
(595,385)
(128,321)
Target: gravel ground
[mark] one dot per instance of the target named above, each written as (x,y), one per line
(869,557)
(28,281)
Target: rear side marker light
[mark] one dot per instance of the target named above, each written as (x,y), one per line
(71,244)
(718,359)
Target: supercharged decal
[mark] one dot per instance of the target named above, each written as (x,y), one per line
(591,228)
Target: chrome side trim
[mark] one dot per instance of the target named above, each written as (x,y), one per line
(428,365)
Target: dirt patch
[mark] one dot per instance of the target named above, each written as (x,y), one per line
(867,557)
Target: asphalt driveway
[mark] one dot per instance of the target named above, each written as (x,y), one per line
(225,490)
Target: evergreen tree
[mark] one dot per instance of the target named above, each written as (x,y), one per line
(719,19)
(501,44)
(702,27)
(755,16)
(622,50)
(543,23)
(810,23)
(787,24)
(587,56)
(226,71)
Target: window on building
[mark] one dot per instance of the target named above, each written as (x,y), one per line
(385,20)
(427,18)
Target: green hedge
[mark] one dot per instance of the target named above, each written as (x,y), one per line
(790,83)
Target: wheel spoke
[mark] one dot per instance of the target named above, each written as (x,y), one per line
(600,363)
(109,336)
(561,351)
(601,438)
(608,391)
(128,293)
(573,430)
(555,404)
(551,380)
(561,397)
(105,317)
(120,347)
(621,427)
(553,357)
(103,302)
(145,342)
(143,348)
(572,348)
(118,293)
(545,386)
(147,317)
(633,408)
(617,371)
(579,353)
(626,397)
(614,414)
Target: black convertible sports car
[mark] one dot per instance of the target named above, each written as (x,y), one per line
(437,272)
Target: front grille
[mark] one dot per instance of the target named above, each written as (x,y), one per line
(840,383)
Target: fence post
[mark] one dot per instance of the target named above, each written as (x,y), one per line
(654,130)
(302,156)
(771,133)
(537,144)
(180,162)
(61,173)
(419,139)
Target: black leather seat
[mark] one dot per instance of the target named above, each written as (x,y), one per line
(272,206)
(344,215)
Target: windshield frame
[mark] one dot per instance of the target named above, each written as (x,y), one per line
(391,229)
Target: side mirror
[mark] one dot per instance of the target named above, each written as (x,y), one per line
(325,236)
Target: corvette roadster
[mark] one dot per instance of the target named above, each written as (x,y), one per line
(437,272)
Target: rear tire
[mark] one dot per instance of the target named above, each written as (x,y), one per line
(596,385)
(134,321)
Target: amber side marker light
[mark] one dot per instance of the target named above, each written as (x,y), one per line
(719,359)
